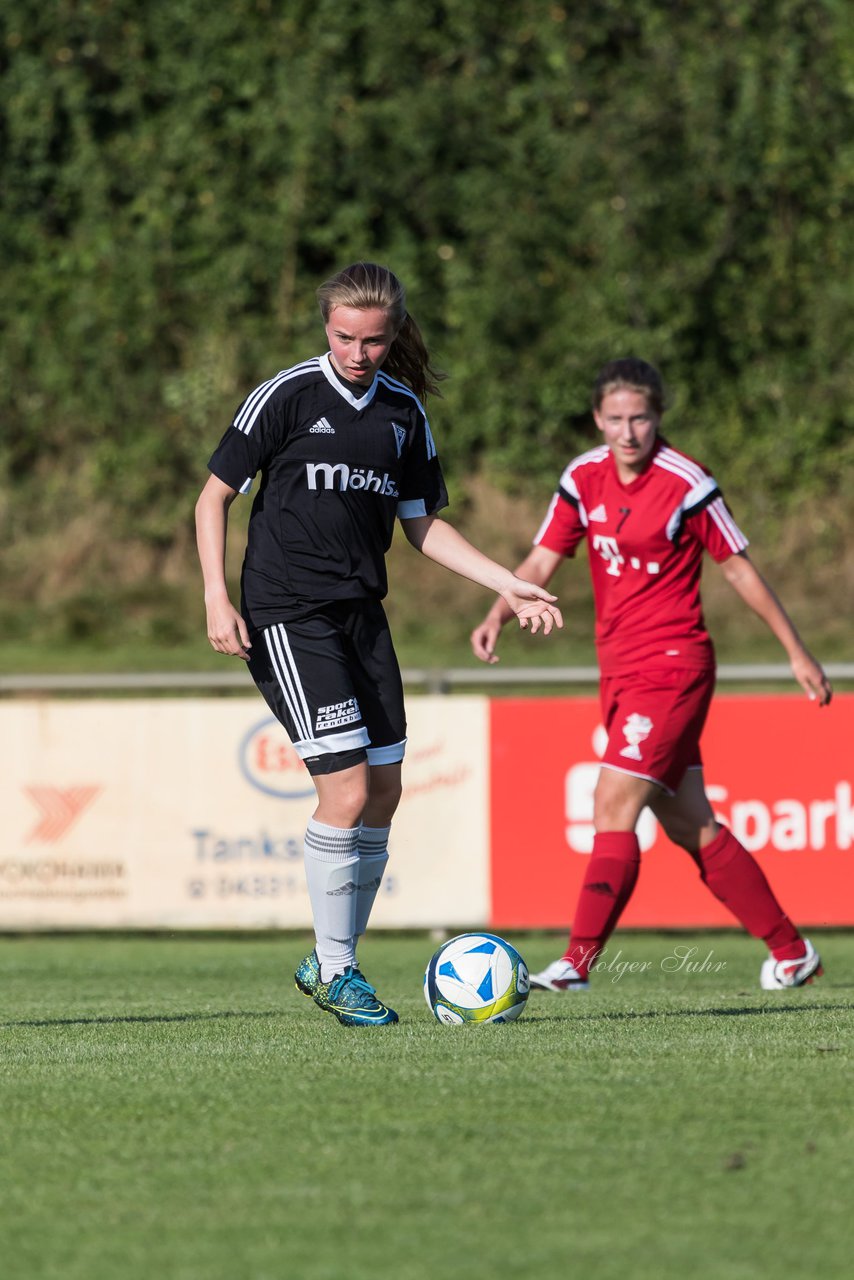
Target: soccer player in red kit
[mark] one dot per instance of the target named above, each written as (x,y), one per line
(648,513)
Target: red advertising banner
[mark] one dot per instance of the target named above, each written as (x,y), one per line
(778,771)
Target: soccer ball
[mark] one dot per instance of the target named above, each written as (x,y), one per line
(476,977)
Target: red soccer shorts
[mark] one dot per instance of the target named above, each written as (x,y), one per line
(654,720)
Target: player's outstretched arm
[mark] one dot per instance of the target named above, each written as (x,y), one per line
(227,631)
(538,566)
(745,578)
(532,604)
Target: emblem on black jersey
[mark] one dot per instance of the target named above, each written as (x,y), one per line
(322,426)
(399,438)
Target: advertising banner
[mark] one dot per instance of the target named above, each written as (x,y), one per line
(779,772)
(190,812)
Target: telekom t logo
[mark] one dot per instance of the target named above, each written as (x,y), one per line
(609,551)
(60,808)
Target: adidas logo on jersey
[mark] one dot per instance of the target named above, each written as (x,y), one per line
(321,427)
(598,515)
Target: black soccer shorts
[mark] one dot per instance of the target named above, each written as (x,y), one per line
(332,679)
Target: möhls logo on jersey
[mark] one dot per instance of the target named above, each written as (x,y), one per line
(268,761)
(338,475)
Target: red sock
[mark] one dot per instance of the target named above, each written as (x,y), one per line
(737,880)
(608,883)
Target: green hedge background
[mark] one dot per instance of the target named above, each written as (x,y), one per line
(555,183)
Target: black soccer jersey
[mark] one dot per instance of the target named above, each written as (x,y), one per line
(336,468)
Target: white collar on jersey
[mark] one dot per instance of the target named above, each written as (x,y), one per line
(334,380)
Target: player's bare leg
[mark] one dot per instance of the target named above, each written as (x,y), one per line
(619,799)
(687,816)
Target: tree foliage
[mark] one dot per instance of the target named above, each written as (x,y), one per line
(555,183)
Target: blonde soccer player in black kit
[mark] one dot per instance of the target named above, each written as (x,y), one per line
(343,448)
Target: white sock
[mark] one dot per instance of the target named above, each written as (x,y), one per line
(373,856)
(331,871)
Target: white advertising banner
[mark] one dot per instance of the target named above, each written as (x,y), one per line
(189,813)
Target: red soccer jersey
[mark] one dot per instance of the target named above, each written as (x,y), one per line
(645,545)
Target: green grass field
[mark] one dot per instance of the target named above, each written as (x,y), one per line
(172,1107)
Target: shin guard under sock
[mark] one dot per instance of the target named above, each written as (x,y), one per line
(608,884)
(331,870)
(737,880)
(373,859)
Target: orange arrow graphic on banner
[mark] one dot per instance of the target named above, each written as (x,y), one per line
(60,808)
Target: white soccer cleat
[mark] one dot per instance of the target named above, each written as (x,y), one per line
(777,974)
(559,976)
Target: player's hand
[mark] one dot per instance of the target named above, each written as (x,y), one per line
(810,676)
(227,631)
(533,606)
(484,639)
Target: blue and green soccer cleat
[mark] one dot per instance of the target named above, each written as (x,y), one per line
(349,996)
(353,1001)
(307,975)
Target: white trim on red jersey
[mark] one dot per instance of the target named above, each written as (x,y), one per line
(568,489)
